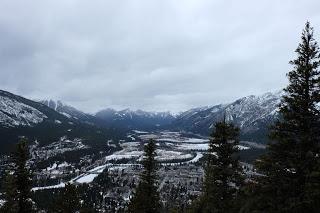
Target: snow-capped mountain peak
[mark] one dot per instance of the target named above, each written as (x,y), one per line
(64,109)
(129,118)
(251,113)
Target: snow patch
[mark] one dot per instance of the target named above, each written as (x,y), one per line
(87,178)
(60,185)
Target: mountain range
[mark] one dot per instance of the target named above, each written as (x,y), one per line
(123,119)
(47,120)
(72,113)
(135,119)
(252,114)
(21,117)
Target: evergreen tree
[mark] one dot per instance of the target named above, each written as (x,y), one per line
(146,198)
(69,200)
(94,195)
(23,177)
(290,180)
(11,204)
(223,173)
(19,182)
(103,181)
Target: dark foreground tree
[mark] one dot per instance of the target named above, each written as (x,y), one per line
(10,187)
(291,175)
(95,194)
(146,197)
(223,173)
(69,200)
(19,182)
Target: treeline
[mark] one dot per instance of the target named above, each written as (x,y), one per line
(286,179)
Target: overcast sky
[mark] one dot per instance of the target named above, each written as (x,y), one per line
(153,55)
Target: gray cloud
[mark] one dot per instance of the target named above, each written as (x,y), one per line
(154,55)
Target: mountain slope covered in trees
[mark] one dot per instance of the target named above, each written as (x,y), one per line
(21,117)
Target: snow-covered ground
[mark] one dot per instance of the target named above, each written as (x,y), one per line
(123,154)
(61,185)
(129,150)
(2,202)
(168,136)
(131,137)
(99,169)
(86,178)
(139,132)
(241,147)
(203,146)
(170,146)
(120,167)
(93,173)
(135,150)
(197,158)
(196,140)
(55,165)
(173,140)
(181,140)
(165,155)
(188,146)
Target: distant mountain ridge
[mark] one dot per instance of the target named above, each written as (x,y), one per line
(71,112)
(21,117)
(252,114)
(135,119)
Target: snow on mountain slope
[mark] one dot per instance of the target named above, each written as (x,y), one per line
(141,113)
(70,112)
(251,114)
(247,112)
(135,119)
(15,113)
(66,110)
(21,117)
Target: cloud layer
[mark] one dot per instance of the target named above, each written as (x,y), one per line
(153,55)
